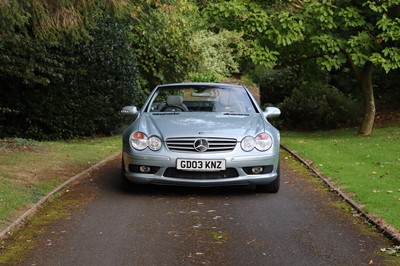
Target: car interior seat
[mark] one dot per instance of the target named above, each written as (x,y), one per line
(228,104)
(174,103)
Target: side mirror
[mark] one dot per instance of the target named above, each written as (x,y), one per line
(129,110)
(272,112)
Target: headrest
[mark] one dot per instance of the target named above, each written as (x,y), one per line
(174,100)
(224,98)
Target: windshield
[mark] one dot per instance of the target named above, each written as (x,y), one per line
(201,99)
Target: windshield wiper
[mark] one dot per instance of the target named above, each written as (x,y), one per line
(167,113)
(236,114)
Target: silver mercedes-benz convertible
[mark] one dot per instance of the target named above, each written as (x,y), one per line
(202,134)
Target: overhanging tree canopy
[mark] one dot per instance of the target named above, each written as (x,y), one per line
(359,34)
(29,29)
(66,67)
(161,37)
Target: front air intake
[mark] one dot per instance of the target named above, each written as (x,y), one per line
(211,144)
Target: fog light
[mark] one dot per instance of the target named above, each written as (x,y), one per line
(144,169)
(257,170)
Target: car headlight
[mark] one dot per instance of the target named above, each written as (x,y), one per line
(139,141)
(261,142)
(248,143)
(154,143)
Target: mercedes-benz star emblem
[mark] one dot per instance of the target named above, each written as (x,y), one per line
(201,145)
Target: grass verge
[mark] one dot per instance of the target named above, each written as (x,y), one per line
(30,169)
(367,168)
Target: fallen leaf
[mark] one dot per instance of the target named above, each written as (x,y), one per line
(251,241)
(393,251)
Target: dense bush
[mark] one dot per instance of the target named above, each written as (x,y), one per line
(275,85)
(386,87)
(161,33)
(204,77)
(318,106)
(84,101)
(217,54)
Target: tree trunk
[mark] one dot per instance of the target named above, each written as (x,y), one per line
(365,81)
(364,78)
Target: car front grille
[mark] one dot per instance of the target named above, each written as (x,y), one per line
(228,173)
(188,144)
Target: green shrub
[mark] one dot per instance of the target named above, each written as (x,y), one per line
(275,85)
(315,106)
(161,37)
(217,55)
(204,77)
(85,100)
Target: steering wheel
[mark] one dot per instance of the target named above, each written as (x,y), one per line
(165,107)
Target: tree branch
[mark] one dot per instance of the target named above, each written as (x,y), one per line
(353,67)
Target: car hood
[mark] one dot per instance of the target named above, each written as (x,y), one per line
(226,125)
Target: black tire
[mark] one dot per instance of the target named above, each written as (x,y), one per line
(274,186)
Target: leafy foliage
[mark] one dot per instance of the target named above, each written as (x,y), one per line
(28,29)
(86,100)
(262,28)
(363,29)
(217,54)
(358,34)
(318,106)
(275,85)
(161,33)
(107,80)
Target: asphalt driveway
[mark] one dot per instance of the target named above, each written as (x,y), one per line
(301,225)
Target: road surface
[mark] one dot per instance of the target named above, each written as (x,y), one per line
(300,225)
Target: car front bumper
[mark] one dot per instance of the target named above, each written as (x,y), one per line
(161,170)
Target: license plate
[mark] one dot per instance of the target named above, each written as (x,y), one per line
(200,165)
